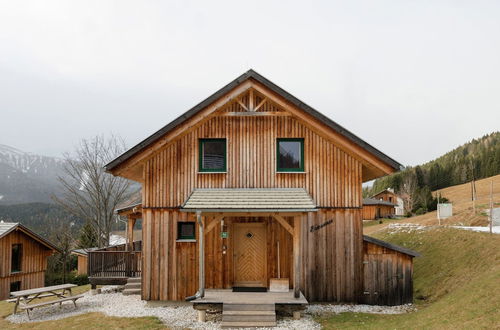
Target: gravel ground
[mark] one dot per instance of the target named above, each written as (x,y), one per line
(394,228)
(112,303)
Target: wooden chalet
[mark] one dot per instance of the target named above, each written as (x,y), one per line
(23,258)
(249,185)
(377,208)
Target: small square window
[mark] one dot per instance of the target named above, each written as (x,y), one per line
(16,258)
(290,155)
(212,155)
(186,230)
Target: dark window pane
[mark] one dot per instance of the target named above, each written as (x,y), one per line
(15,286)
(15,265)
(290,155)
(213,155)
(186,230)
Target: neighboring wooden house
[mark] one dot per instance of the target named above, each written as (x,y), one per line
(23,258)
(390,196)
(247,171)
(377,208)
(82,255)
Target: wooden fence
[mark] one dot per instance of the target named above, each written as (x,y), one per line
(115,262)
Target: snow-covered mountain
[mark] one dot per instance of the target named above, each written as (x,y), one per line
(27,177)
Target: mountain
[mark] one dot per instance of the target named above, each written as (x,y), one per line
(477,159)
(27,177)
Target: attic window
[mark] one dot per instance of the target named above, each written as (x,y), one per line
(212,155)
(290,155)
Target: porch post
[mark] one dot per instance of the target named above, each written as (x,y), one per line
(296,256)
(201,252)
(130,232)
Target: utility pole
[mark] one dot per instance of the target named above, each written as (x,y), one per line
(491,206)
(439,215)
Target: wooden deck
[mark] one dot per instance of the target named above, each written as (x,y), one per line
(227,296)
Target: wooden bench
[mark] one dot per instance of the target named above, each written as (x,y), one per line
(29,308)
(13,300)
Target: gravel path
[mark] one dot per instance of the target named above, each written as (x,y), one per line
(115,304)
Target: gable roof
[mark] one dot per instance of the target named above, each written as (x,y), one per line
(373,201)
(389,190)
(8,227)
(251,74)
(391,246)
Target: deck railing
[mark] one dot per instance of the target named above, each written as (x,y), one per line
(115,262)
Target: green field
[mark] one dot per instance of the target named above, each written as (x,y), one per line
(457,284)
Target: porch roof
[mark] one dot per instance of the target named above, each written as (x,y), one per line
(250,200)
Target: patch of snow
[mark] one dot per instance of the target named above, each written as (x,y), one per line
(116,240)
(394,228)
(183,315)
(495,229)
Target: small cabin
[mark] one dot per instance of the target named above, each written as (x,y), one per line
(249,186)
(377,208)
(23,258)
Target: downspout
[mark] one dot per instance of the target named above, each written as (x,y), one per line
(201,267)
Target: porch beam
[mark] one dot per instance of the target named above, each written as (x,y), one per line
(296,256)
(250,214)
(213,223)
(284,223)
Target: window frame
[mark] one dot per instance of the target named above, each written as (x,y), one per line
(20,256)
(290,170)
(186,238)
(200,156)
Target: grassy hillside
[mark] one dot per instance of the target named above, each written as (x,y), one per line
(463,214)
(456,283)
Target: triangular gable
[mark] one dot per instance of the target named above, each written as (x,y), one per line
(251,80)
(12,227)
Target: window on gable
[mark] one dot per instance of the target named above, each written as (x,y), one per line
(186,230)
(16,258)
(290,155)
(212,155)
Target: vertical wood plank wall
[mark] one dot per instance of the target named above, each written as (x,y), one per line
(388,276)
(332,256)
(33,266)
(370,211)
(82,265)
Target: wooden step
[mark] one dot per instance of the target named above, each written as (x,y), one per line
(248,315)
(134,280)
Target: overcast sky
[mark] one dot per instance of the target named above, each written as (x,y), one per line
(413,78)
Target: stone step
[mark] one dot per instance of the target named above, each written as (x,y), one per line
(133,286)
(247,324)
(134,280)
(128,292)
(248,315)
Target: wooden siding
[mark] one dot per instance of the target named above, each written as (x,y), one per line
(33,264)
(388,276)
(372,212)
(332,177)
(331,255)
(82,265)
(387,196)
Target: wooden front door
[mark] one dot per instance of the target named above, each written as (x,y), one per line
(250,254)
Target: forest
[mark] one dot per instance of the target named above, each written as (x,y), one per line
(477,159)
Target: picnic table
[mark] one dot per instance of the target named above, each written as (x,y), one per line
(25,297)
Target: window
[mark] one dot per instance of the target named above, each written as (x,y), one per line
(185,230)
(290,155)
(16,258)
(390,199)
(212,155)
(15,286)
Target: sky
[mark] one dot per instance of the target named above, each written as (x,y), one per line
(415,79)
